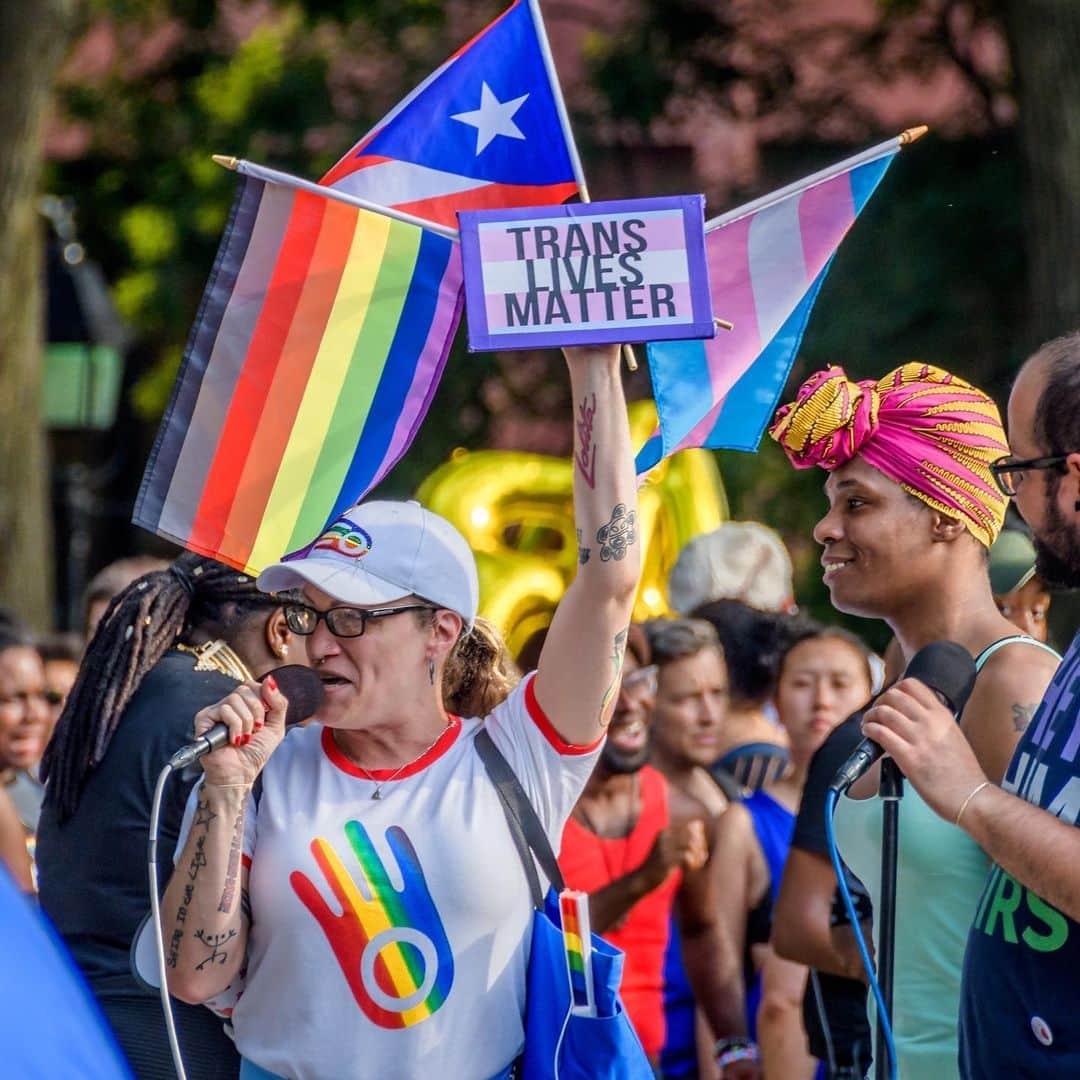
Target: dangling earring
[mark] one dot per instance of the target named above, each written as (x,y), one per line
(431,671)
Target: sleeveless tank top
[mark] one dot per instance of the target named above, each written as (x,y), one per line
(940,875)
(589,862)
(773,826)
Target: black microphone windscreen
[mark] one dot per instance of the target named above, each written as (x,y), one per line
(303,689)
(946,667)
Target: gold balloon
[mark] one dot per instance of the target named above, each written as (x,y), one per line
(517,512)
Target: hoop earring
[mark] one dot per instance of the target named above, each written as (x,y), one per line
(431,671)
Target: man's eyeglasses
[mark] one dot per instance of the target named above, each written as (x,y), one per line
(1009,472)
(640,681)
(341,621)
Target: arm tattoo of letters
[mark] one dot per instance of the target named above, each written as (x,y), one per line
(232,873)
(203,816)
(618,647)
(586,453)
(1022,715)
(618,534)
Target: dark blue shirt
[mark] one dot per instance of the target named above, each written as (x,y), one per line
(1021,986)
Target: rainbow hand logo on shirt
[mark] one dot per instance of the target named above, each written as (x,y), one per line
(392,948)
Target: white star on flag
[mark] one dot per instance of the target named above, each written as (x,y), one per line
(494,117)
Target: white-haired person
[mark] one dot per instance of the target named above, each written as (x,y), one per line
(372,887)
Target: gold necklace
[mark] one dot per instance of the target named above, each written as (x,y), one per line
(377,793)
(217,656)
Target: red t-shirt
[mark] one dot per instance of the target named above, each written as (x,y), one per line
(590,862)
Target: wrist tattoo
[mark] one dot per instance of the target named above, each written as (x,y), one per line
(618,534)
(618,651)
(585,458)
(214,942)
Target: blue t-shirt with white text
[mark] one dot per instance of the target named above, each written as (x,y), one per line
(1020,996)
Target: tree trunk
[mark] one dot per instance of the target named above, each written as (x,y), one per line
(1045,41)
(33,36)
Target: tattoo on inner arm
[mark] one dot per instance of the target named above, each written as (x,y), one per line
(1022,715)
(585,458)
(203,816)
(583,552)
(214,942)
(618,534)
(618,647)
(232,873)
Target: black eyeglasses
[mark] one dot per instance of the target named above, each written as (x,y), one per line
(341,621)
(1008,472)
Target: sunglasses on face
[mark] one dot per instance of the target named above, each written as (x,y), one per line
(344,622)
(1009,471)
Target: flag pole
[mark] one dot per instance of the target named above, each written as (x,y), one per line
(568,132)
(890,146)
(275,176)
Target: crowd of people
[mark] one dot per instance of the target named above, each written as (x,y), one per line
(361,867)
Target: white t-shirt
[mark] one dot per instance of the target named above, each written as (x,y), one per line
(390,937)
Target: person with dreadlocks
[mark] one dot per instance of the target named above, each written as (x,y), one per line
(913,510)
(172,642)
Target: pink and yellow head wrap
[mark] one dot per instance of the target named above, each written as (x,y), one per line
(931,432)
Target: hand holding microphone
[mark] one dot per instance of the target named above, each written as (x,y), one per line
(942,670)
(238,734)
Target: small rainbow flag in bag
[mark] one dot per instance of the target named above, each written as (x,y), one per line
(577,938)
(319,344)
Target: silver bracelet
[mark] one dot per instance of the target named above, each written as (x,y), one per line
(964,804)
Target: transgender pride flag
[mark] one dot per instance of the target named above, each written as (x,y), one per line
(766,262)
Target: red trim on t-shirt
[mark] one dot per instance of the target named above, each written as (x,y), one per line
(436,751)
(547,729)
(246,860)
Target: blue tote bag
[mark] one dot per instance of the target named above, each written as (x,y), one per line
(560,1045)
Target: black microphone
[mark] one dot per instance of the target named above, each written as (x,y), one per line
(300,685)
(946,668)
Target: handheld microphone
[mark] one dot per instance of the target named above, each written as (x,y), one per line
(300,685)
(946,668)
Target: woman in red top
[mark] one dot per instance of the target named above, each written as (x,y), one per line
(622,848)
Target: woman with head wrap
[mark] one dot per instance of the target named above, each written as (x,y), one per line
(913,509)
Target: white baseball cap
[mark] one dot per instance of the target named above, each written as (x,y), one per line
(380,551)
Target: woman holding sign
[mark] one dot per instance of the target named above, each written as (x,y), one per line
(371,887)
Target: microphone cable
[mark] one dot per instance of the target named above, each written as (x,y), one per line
(155,918)
(832,798)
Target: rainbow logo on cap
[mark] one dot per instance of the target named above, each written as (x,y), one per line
(346,538)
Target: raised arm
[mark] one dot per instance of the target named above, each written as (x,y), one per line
(203,916)
(578,674)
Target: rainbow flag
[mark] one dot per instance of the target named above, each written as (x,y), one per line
(577,938)
(318,346)
(767,262)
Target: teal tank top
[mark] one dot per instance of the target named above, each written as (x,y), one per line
(940,876)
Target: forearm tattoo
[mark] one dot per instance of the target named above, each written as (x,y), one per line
(618,534)
(232,873)
(618,651)
(203,816)
(583,552)
(214,942)
(585,458)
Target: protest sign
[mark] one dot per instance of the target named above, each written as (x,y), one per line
(593,273)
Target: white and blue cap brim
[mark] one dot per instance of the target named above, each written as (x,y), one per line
(346,583)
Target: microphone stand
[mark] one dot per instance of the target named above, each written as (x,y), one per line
(891,791)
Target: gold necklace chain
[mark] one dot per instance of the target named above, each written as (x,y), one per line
(377,793)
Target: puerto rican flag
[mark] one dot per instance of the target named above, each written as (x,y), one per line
(482,131)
